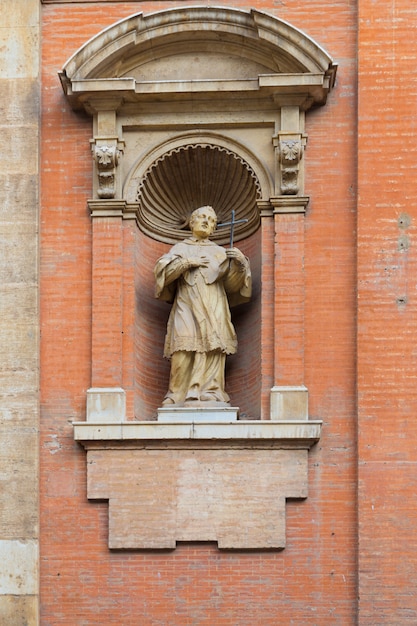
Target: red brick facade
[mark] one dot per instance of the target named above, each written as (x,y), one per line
(387,313)
(348,335)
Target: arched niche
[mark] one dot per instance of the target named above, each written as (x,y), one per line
(192,106)
(172,94)
(193,169)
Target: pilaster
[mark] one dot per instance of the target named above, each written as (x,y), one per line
(289,289)
(107,293)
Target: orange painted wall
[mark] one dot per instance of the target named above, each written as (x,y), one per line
(313,581)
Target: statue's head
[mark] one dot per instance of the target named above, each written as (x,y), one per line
(203,222)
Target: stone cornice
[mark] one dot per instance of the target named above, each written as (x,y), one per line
(299,434)
(304,90)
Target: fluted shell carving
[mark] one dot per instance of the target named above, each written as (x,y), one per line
(192,176)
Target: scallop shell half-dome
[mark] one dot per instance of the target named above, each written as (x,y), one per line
(192,176)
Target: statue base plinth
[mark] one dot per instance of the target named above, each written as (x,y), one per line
(204,414)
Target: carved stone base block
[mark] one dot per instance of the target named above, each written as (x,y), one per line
(289,403)
(106,404)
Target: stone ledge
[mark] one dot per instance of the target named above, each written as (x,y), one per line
(293,433)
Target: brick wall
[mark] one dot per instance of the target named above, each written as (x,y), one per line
(387,321)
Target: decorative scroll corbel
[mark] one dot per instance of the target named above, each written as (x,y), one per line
(106,158)
(291,152)
(289,148)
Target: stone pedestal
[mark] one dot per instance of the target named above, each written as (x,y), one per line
(106,404)
(198,414)
(289,403)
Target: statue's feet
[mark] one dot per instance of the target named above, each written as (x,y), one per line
(208,396)
(168,401)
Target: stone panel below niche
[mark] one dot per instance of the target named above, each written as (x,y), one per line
(235,497)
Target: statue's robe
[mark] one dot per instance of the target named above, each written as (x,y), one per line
(200,331)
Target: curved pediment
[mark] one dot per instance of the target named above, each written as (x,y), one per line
(235,49)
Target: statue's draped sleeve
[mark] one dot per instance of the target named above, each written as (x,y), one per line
(167,269)
(238,283)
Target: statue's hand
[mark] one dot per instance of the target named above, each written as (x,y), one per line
(237,256)
(201,262)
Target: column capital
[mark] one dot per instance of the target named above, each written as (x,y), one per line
(289,204)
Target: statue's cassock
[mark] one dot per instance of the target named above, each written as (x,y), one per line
(200,333)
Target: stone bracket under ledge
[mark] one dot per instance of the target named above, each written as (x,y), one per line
(196,481)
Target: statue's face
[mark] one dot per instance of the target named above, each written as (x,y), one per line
(203,222)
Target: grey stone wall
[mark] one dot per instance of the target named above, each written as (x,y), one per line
(19,323)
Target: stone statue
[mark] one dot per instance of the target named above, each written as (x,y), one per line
(201,279)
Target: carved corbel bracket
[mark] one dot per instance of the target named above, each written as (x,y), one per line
(106,157)
(289,149)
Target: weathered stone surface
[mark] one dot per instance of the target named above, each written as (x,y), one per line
(20,393)
(11,237)
(21,139)
(19,325)
(20,39)
(19,199)
(198,414)
(20,575)
(289,403)
(19,105)
(17,610)
(106,404)
(18,492)
(294,433)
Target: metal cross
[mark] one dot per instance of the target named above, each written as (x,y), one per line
(232,224)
